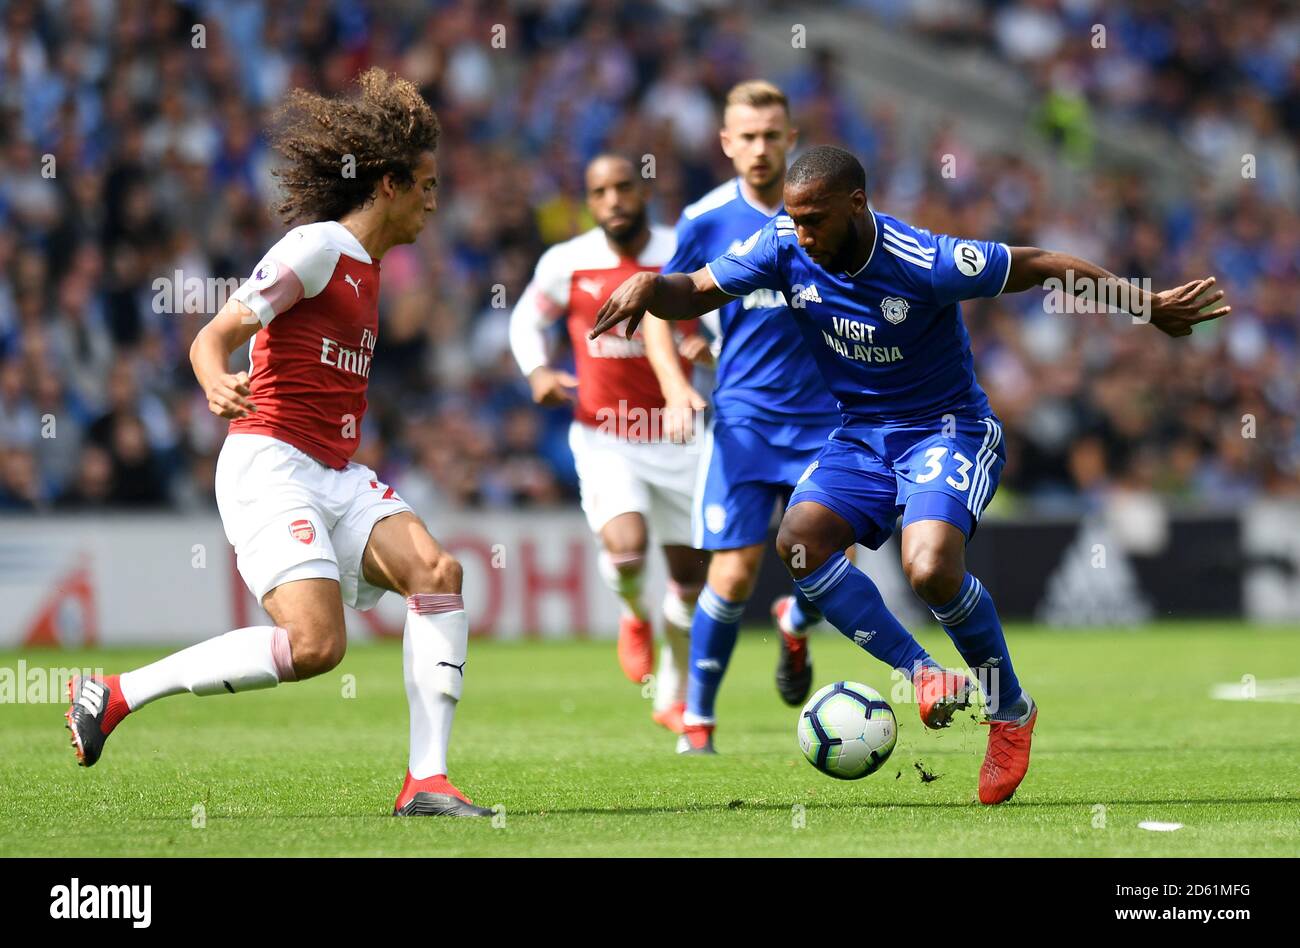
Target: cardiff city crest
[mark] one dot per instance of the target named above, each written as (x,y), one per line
(893,309)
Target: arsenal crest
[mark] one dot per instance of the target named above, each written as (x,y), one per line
(302,531)
(893,309)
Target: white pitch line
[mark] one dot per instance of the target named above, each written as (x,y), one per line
(1157,827)
(1283,690)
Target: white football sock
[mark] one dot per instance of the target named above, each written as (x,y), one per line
(675,654)
(243,660)
(433,663)
(624,574)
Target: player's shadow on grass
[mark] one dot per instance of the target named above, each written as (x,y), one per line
(742,806)
(883,804)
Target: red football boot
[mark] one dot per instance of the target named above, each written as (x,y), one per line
(696,739)
(1007,759)
(434,796)
(636,648)
(793,663)
(95,707)
(940,694)
(671,717)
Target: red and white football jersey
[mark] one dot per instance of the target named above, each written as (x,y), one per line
(572,280)
(316,294)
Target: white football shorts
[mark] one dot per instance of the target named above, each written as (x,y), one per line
(289,517)
(654,479)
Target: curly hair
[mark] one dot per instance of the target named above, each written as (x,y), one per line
(338,150)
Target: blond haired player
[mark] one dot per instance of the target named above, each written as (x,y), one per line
(772,412)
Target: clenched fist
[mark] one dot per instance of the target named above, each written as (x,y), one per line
(552,387)
(228,396)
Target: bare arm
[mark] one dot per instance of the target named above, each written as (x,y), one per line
(210,353)
(661,350)
(681,401)
(667,295)
(1174,311)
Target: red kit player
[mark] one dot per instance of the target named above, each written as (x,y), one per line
(313,530)
(633,480)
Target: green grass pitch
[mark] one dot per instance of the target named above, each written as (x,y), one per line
(553,733)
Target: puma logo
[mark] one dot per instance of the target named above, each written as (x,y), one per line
(592,287)
(355,284)
(460,668)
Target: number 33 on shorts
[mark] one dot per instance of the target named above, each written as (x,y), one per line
(966,467)
(934,466)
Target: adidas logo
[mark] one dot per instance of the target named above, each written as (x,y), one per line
(92,697)
(809,294)
(861,637)
(709,665)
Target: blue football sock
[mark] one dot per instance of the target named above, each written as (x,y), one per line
(802,612)
(852,603)
(971,621)
(713,638)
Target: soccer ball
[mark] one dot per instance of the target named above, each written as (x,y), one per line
(847,730)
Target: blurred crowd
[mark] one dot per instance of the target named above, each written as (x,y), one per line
(131,150)
(1222,77)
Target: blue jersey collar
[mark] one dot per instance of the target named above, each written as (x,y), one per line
(740,189)
(875,240)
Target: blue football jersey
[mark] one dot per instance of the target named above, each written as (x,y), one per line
(765,371)
(889,339)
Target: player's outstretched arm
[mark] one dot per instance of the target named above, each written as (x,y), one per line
(210,352)
(1174,311)
(667,295)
